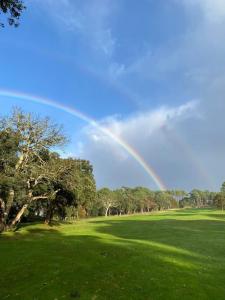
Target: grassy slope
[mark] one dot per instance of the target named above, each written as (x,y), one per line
(173,255)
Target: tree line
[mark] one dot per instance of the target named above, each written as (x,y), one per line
(36,183)
(141,199)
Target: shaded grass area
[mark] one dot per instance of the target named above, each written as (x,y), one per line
(173,255)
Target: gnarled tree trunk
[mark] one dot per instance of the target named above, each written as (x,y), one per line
(25,206)
(50,213)
(19,215)
(9,202)
(107,210)
(5,207)
(2,215)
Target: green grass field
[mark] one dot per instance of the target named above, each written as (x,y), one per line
(172,255)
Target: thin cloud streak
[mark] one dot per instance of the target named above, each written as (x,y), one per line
(89,20)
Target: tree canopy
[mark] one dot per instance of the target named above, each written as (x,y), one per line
(33,178)
(12,9)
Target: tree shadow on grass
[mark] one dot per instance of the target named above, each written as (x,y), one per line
(54,223)
(217,216)
(119,259)
(184,212)
(171,231)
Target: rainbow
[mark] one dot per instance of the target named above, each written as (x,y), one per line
(128,148)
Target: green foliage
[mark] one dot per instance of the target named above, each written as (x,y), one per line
(12,9)
(133,200)
(34,180)
(223,188)
(219,199)
(198,198)
(106,200)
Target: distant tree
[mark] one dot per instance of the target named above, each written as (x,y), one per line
(143,199)
(83,185)
(177,194)
(219,200)
(119,200)
(223,188)
(186,202)
(163,200)
(196,197)
(12,9)
(130,202)
(107,199)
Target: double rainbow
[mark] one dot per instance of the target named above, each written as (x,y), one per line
(127,147)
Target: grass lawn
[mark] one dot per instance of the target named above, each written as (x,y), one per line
(172,255)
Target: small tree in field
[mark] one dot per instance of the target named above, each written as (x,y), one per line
(107,199)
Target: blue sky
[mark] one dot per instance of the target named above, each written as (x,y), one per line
(150,71)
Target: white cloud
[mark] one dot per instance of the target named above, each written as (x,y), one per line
(183,144)
(213,10)
(151,121)
(150,134)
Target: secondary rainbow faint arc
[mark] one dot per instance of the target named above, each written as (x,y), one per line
(133,152)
